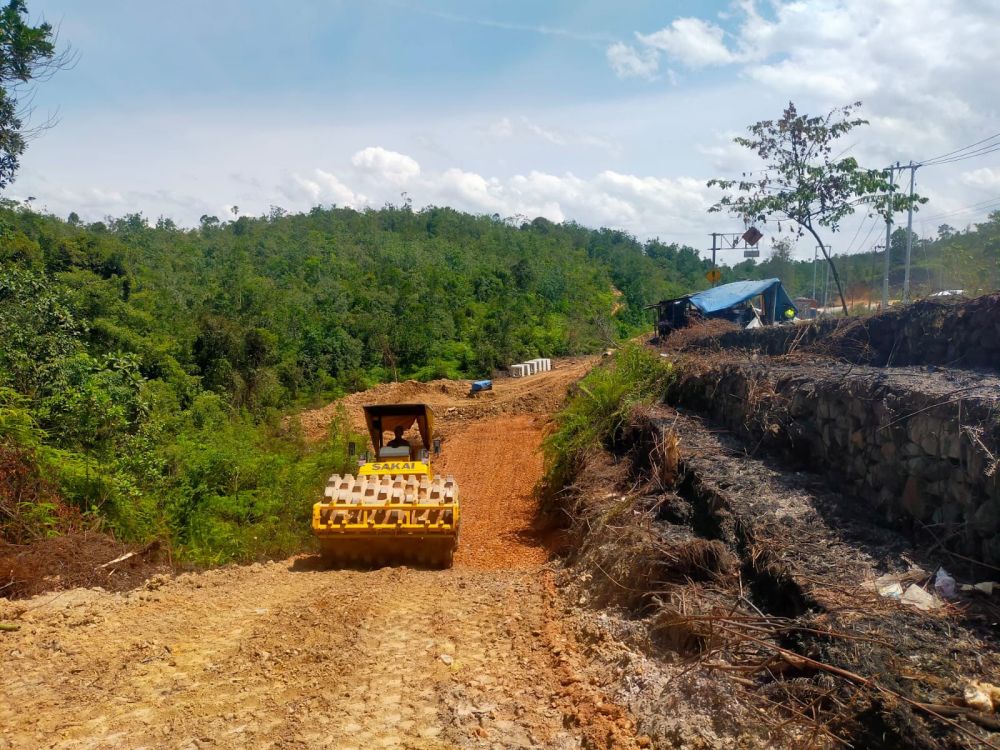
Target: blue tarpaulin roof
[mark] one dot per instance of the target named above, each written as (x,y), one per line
(725,296)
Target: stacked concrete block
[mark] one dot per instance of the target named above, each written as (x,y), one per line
(531,367)
(543,364)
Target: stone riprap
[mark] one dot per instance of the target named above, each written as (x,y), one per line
(919,444)
(933,331)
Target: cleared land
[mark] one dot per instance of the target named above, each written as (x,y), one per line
(287,654)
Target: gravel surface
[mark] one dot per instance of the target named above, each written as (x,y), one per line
(287,654)
(279,655)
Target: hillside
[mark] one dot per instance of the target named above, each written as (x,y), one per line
(147,367)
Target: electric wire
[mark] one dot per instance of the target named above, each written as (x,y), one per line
(959,150)
(970,155)
(989,203)
(861,225)
(864,242)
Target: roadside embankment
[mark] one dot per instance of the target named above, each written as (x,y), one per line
(929,332)
(909,447)
(747,589)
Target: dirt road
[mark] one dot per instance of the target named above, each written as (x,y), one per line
(538,395)
(287,655)
(279,655)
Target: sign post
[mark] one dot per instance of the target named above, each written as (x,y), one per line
(731,241)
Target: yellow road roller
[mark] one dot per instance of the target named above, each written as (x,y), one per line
(395,510)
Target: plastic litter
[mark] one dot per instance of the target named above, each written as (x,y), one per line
(917,597)
(889,589)
(945,585)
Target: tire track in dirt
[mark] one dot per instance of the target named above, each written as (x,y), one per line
(280,655)
(496,463)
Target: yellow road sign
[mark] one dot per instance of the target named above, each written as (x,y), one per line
(714,275)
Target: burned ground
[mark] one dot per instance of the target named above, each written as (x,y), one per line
(942,332)
(756,583)
(754,561)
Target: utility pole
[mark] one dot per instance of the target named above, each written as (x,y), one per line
(715,237)
(888,233)
(825,249)
(815,256)
(826,285)
(909,234)
(731,241)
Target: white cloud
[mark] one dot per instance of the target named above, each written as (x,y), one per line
(506,128)
(381,163)
(470,190)
(923,60)
(692,42)
(984,177)
(629,62)
(502,128)
(320,188)
(920,67)
(642,204)
(602,153)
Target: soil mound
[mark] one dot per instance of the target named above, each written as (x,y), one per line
(77,559)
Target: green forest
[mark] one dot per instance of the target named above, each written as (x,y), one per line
(147,369)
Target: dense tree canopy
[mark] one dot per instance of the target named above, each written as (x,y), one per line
(148,367)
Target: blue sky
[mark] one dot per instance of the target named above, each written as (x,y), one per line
(605,113)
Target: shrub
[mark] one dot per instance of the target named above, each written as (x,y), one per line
(599,407)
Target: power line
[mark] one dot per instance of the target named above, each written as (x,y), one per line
(988,203)
(864,242)
(861,224)
(992,148)
(959,150)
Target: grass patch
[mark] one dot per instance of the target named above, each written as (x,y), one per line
(598,409)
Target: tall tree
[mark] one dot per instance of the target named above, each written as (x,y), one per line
(803,182)
(27,53)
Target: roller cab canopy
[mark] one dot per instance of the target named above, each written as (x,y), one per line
(383,418)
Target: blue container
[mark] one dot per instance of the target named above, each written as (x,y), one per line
(481,385)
